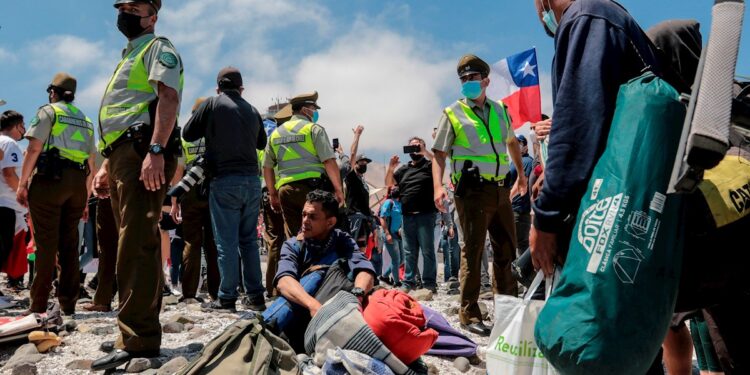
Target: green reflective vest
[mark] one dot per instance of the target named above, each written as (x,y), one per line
(128,95)
(72,133)
(484,145)
(193,149)
(295,151)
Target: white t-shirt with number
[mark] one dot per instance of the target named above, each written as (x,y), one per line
(12,158)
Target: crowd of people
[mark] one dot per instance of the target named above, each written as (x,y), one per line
(194,197)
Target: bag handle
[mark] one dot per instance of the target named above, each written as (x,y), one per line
(549,285)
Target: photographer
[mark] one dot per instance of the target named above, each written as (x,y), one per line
(61,155)
(233,130)
(415,184)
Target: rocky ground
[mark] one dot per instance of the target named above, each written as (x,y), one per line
(186,330)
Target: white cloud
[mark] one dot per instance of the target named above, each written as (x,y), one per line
(66,52)
(545,81)
(7,56)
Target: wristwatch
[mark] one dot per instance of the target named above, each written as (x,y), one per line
(358,292)
(155,149)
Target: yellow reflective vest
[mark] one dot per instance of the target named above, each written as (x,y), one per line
(72,133)
(295,151)
(482,144)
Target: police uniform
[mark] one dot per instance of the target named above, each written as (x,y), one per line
(197,232)
(128,108)
(57,195)
(274,234)
(298,149)
(106,238)
(468,132)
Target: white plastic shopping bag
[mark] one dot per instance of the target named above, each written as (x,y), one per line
(512,349)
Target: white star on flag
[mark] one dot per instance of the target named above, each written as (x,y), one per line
(528,69)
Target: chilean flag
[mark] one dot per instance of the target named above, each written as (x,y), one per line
(515,81)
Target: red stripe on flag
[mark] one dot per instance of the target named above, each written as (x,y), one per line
(524,106)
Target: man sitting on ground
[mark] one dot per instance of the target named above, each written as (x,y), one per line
(302,266)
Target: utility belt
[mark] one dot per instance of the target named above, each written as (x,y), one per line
(322,183)
(51,165)
(140,134)
(471,180)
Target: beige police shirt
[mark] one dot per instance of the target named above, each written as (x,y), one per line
(40,128)
(445,135)
(319,137)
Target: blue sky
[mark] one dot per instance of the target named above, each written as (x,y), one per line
(388,65)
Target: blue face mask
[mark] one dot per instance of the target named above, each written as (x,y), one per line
(315,117)
(471,89)
(548,16)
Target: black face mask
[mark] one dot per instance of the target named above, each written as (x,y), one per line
(130,24)
(416,157)
(361,169)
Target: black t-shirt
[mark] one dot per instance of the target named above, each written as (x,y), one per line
(357,194)
(415,184)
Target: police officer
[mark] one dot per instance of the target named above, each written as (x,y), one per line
(194,214)
(301,151)
(274,234)
(61,150)
(476,133)
(137,120)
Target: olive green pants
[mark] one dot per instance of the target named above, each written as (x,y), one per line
(140,278)
(106,238)
(485,209)
(293,196)
(274,236)
(198,235)
(56,207)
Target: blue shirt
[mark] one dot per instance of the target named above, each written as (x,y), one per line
(522,204)
(392,209)
(295,259)
(593,58)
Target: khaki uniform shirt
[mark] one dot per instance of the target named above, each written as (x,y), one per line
(319,137)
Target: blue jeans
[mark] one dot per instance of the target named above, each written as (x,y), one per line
(419,232)
(234,202)
(394,250)
(451,255)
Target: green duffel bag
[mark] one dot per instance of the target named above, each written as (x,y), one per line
(612,306)
(245,347)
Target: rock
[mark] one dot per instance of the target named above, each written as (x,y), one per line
(173,327)
(453,292)
(194,307)
(484,311)
(462,364)
(454,285)
(456,298)
(70,326)
(189,326)
(421,294)
(180,318)
(194,347)
(85,328)
(487,295)
(478,371)
(24,355)
(171,300)
(150,372)
(25,369)
(475,360)
(103,331)
(181,305)
(432,370)
(171,367)
(63,334)
(453,310)
(79,364)
(137,365)
(196,332)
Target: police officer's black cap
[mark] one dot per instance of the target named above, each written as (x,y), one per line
(229,77)
(154,3)
(305,99)
(470,64)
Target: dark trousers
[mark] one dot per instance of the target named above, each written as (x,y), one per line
(523,228)
(274,236)
(292,197)
(56,207)
(140,278)
(197,233)
(7,233)
(106,235)
(485,209)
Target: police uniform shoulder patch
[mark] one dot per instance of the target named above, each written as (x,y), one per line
(168,59)
(34,121)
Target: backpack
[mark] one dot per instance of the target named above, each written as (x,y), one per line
(245,347)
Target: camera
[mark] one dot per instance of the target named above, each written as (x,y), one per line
(194,176)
